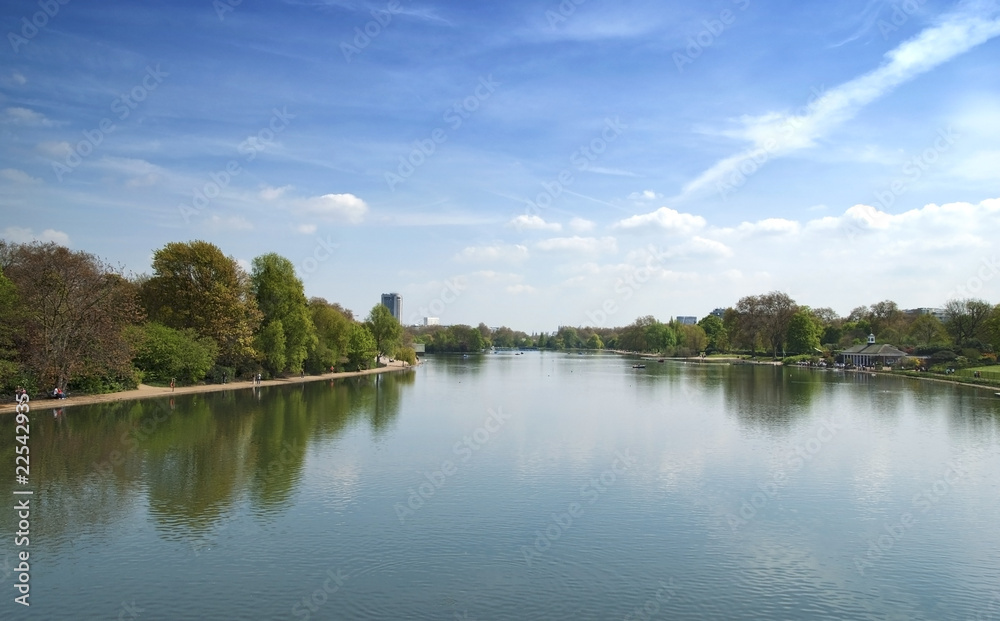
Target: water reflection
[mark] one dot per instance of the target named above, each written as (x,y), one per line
(195,459)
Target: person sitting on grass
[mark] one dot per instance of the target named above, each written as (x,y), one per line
(58,394)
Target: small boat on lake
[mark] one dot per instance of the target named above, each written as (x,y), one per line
(638,366)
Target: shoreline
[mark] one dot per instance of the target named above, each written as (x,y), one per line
(740,361)
(151,392)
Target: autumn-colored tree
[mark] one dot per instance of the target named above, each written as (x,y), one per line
(194,285)
(72,312)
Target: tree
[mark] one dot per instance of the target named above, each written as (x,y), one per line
(718,337)
(927,330)
(385,329)
(594,342)
(271,343)
(778,309)
(965,320)
(195,286)
(693,339)
(72,315)
(163,353)
(10,319)
(803,332)
(333,332)
(361,347)
(281,299)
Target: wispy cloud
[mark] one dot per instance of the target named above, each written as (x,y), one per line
(780,134)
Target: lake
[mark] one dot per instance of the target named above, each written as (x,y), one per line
(535,486)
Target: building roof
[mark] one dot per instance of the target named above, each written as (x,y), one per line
(875,350)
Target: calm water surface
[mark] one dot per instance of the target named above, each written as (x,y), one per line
(540,486)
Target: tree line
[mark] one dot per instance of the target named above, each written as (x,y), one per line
(72,321)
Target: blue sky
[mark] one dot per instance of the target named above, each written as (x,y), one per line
(533,164)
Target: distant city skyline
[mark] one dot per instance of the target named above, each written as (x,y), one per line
(521,164)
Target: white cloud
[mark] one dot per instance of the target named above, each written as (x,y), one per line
(519,289)
(777,134)
(18,176)
(22,235)
(57,150)
(247,267)
(667,219)
(17,78)
(230,223)
(589,245)
(526,222)
(645,195)
(769,226)
(337,206)
(140,172)
(494,253)
(269,193)
(306,229)
(26,117)
(580,225)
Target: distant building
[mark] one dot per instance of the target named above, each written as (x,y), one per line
(937,312)
(872,354)
(719,312)
(687,321)
(394,302)
(432,321)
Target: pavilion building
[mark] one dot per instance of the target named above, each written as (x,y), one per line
(872,354)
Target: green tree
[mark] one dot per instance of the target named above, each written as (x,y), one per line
(333,332)
(194,285)
(594,342)
(163,353)
(271,343)
(803,332)
(281,298)
(693,339)
(718,337)
(385,329)
(965,320)
(361,348)
(927,330)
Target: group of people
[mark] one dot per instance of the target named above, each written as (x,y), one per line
(57,393)
(257,379)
